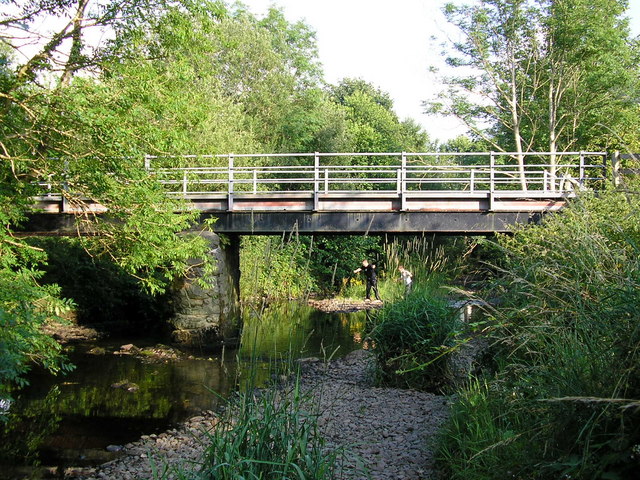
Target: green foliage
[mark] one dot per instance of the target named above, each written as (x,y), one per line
(549,75)
(414,337)
(119,300)
(274,267)
(489,441)
(372,126)
(334,258)
(567,340)
(25,308)
(272,435)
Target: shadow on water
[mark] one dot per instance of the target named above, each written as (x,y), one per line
(112,399)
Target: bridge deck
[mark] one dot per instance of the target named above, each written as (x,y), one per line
(401,197)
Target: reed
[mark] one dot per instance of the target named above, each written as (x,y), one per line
(413,339)
(268,433)
(562,399)
(275,268)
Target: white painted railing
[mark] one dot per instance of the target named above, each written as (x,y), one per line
(324,173)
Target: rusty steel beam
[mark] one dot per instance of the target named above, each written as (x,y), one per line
(373,223)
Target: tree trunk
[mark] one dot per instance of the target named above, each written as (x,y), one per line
(552,134)
(515,118)
(74,62)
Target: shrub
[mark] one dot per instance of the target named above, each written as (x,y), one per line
(567,340)
(413,338)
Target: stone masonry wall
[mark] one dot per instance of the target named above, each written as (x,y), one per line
(207,317)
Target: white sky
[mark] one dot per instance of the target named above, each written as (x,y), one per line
(387,44)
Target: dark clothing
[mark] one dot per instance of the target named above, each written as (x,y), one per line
(372,281)
(370,273)
(371,285)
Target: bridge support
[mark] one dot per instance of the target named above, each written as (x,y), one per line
(209,317)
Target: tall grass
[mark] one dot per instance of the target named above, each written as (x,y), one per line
(563,399)
(414,335)
(427,258)
(413,338)
(275,268)
(268,434)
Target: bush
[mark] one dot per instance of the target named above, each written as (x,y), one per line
(413,339)
(567,340)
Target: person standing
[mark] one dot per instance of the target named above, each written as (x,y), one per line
(407,278)
(370,277)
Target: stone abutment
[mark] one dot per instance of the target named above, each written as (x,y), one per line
(209,316)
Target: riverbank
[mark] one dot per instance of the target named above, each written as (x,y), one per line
(388,431)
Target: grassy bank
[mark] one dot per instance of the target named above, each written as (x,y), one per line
(561,399)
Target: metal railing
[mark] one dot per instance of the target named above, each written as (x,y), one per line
(400,173)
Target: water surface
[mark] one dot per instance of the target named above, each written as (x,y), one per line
(112,399)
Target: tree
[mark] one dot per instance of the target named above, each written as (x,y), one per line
(588,66)
(497,52)
(544,75)
(177,77)
(371,123)
(67,132)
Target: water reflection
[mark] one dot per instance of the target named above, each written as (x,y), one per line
(107,400)
(301,330)
(281,332)
(113,399)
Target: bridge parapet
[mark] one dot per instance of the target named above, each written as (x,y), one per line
(484,184)
(323,173)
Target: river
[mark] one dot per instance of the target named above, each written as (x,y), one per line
(113,397)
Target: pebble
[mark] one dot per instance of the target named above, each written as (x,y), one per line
(386,431)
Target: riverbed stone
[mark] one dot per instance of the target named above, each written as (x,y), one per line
(387,433)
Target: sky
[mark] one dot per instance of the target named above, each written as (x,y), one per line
(388,44)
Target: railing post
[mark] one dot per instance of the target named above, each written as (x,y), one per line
(582,172)
(472,180)
(147,161)
(403,182)
(255,181)
(492,179)
(316,180)
(65,186)
(615,168)
(230,180)
(545,181)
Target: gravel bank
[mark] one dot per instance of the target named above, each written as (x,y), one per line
(388,431)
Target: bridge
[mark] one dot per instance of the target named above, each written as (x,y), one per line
(335,193)
(360,193)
